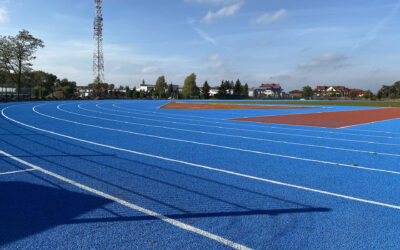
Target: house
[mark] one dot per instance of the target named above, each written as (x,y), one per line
(321,90)
(251,92)
(175,87)
(296,93)
(146,88)
(84,91)
(213,91)
(360,92)
(338,91)
(273,90)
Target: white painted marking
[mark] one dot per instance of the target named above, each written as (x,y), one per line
(374,131)
(368,123)
(328,131)
(204,166)
(17,171)
(248,130)
(227,135)
(217,146)
(131,205)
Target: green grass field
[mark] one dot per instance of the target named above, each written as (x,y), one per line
(334,103)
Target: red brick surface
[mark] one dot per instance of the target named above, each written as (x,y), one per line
(336,119)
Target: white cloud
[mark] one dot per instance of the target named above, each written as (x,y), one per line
(217,65)
(215,61)
(213,57)
(3,15)
(269,18)
(149,69)
(205,36)
(328,60)
(223,12)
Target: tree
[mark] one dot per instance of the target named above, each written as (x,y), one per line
(237,88)
(170,90)
(353,94)
(160,87)
(368,94)
(392,91)
(205,90)
(190,89)
(142,94)
(16,54)
(68,88)
(44,83)
(307,92)
(245,90)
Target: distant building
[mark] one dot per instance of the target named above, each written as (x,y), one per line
(337,91)
(251,92)
(213,91)
(84,91)
(146,88)
(321,90)
(296,93)
(175,87)
(359,92)
(273,90)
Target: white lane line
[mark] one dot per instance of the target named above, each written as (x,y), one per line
(248,130)
(217,146)
(374,131)
(369,123)
(204,166)
(228,135)
(131,205)
(252,125)
(17,171)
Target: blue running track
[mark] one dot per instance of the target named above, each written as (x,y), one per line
(125,174)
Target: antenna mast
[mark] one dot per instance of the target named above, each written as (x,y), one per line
(98,58)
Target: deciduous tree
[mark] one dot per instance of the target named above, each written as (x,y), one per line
(190,89)
(16,55)
(307,92)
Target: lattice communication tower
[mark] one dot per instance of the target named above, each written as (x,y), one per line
(98,57)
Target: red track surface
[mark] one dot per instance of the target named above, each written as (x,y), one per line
(336,119)
(184,105)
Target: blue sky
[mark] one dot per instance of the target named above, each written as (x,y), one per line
(295,43)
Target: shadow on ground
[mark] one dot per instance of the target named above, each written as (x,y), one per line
(28,209)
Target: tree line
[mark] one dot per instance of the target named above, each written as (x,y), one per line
(16,56)
(392,92)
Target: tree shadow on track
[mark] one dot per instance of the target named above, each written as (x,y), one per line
(27,209)
(239,209)
(271,212)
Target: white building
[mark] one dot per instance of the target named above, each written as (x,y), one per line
(146,88)
(213,91)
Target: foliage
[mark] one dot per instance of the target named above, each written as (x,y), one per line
(368,94)
(190,89)
(205,90)
(160,87)
(353,94)
(68,88)
(16,54)
(245,90)
(237,88)
(170,90)
(307,92)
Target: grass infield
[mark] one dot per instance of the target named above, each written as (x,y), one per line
(333,103)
